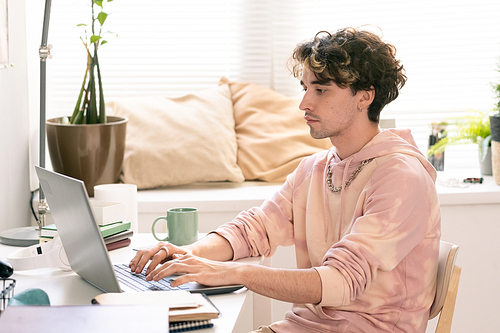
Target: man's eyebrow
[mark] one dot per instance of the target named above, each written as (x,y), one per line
(322,82)
(319,83)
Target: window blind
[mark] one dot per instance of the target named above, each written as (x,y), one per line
(163,47)
(450,50)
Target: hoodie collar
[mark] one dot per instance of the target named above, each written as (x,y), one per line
(386,142)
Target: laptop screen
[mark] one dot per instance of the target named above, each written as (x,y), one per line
(72,213)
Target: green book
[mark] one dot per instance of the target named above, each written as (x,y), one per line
(106,230)
(114,228)
(49,231)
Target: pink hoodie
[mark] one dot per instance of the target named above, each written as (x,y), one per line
(375,244)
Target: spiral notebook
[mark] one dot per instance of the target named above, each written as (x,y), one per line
(184,326)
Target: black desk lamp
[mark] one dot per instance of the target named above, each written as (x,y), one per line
(26,236)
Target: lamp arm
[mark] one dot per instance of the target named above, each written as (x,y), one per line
(46,19)
(44,52)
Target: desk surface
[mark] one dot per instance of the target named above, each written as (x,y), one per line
(67,288)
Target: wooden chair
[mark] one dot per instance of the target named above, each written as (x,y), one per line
(448,277)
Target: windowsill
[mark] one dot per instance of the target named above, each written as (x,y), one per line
(472,194)
(215,196)
(210,197)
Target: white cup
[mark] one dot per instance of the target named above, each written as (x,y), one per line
(120,193)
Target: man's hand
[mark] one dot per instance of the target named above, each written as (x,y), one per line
(196,269)
(212,247)
(206,262)
(289,285)
(158,254)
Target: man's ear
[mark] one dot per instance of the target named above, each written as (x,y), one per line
(366,97)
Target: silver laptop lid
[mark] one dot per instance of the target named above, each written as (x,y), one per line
(81,237)
(76,225)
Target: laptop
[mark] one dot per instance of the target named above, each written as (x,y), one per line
(84,246)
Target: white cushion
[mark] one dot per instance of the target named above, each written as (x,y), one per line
(175,141)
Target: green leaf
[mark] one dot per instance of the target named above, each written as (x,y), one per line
(98,2)
(81,25)
(94,39)
(104,42)
(102,17)
(462,130)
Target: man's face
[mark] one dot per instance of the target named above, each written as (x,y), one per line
(330,111)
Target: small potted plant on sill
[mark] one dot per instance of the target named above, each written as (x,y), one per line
(89,145)
(470,128)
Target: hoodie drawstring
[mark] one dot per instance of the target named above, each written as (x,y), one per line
(341,204)
(327,193)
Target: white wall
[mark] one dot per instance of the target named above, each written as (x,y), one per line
(14,126)
(475,228)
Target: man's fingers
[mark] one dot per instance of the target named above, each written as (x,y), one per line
(160,256)
(142,257)
(174,266)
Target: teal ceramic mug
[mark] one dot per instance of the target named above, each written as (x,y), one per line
(182,226)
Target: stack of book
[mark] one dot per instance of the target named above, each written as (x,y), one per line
(187,311)
(116,234)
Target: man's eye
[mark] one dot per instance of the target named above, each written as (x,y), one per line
(320,91)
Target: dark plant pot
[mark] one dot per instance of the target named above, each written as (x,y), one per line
(92,153)
(495,147)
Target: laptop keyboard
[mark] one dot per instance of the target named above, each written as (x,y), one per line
(138,282)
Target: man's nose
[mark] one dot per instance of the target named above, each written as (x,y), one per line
(305,104)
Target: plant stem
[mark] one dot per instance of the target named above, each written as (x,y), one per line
(87,110)
(102,105)
(77,117)
(92,107)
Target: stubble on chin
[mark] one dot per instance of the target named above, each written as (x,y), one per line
(315,134)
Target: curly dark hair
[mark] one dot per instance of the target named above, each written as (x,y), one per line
(352,58)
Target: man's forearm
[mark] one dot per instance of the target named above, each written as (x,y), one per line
(213,247)
(288,285)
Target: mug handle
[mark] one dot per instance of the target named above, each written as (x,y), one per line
(154,232)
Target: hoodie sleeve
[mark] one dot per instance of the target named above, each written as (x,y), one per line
(260,230)
(396,211)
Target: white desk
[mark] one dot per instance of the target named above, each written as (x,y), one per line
(470,218)
(67,288)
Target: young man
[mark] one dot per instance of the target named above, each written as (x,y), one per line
(364,216)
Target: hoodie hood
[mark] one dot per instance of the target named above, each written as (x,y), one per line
(389,141)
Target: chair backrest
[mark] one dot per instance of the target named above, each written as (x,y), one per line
(446,266)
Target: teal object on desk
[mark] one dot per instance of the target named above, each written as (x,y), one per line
(32,296)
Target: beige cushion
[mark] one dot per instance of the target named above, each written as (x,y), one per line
(272,134)
(175,141)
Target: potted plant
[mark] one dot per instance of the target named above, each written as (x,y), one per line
(89,145)
(471,128)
